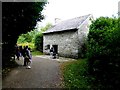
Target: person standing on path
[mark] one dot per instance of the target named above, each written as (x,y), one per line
(23,54)
(20,49)
(28,57)
(17,52)
(51,52)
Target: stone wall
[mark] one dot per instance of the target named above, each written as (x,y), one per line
(83,32)
(67,42)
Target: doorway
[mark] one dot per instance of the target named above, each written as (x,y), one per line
(55,48)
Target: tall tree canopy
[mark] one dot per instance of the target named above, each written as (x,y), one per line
(18,18)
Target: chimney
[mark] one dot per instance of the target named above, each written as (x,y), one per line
(57,20)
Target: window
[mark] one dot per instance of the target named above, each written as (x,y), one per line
(47,47)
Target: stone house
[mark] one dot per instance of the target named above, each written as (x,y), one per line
(67,37)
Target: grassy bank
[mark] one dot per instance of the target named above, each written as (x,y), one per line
(35,53)
(75,74)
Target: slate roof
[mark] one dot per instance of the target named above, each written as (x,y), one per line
(70,24)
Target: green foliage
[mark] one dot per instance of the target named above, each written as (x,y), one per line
(101,37)
(24,38)
(21,39)
(30,45)
(101,69)
(28,37)
(35,37)
(35,53)
(103,51)
(39,42)
(39,37)
(76,75)
(43,29)
(18,18)
(82,53)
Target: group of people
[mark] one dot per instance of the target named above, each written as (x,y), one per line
(53,53)
(25,53)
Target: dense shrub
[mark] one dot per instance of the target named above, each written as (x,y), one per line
(39,42)
(28,37)
(103,51)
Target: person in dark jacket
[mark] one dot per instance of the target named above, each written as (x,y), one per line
(51,51)
(28,58)
(23,54)
(17,51)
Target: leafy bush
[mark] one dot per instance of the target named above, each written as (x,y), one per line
(39,42)
(103,51)
(28,37)
(30,45)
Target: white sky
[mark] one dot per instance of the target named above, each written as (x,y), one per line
(66,9)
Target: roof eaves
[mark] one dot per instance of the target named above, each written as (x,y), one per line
(60,31)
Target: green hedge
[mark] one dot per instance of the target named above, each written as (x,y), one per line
(103,52)
(39,42)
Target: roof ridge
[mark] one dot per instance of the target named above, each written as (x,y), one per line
(68,24)
(73,18)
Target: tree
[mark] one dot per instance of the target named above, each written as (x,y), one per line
(39,37)
(18,18)
(39,42)
(28,37)
(43,29)
(103,51)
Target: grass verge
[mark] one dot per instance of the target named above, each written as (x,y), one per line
(35,53)
(75,74)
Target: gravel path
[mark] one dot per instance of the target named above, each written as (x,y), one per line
(45,73)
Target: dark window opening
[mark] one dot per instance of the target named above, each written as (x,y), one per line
(47,47)
(55,48)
